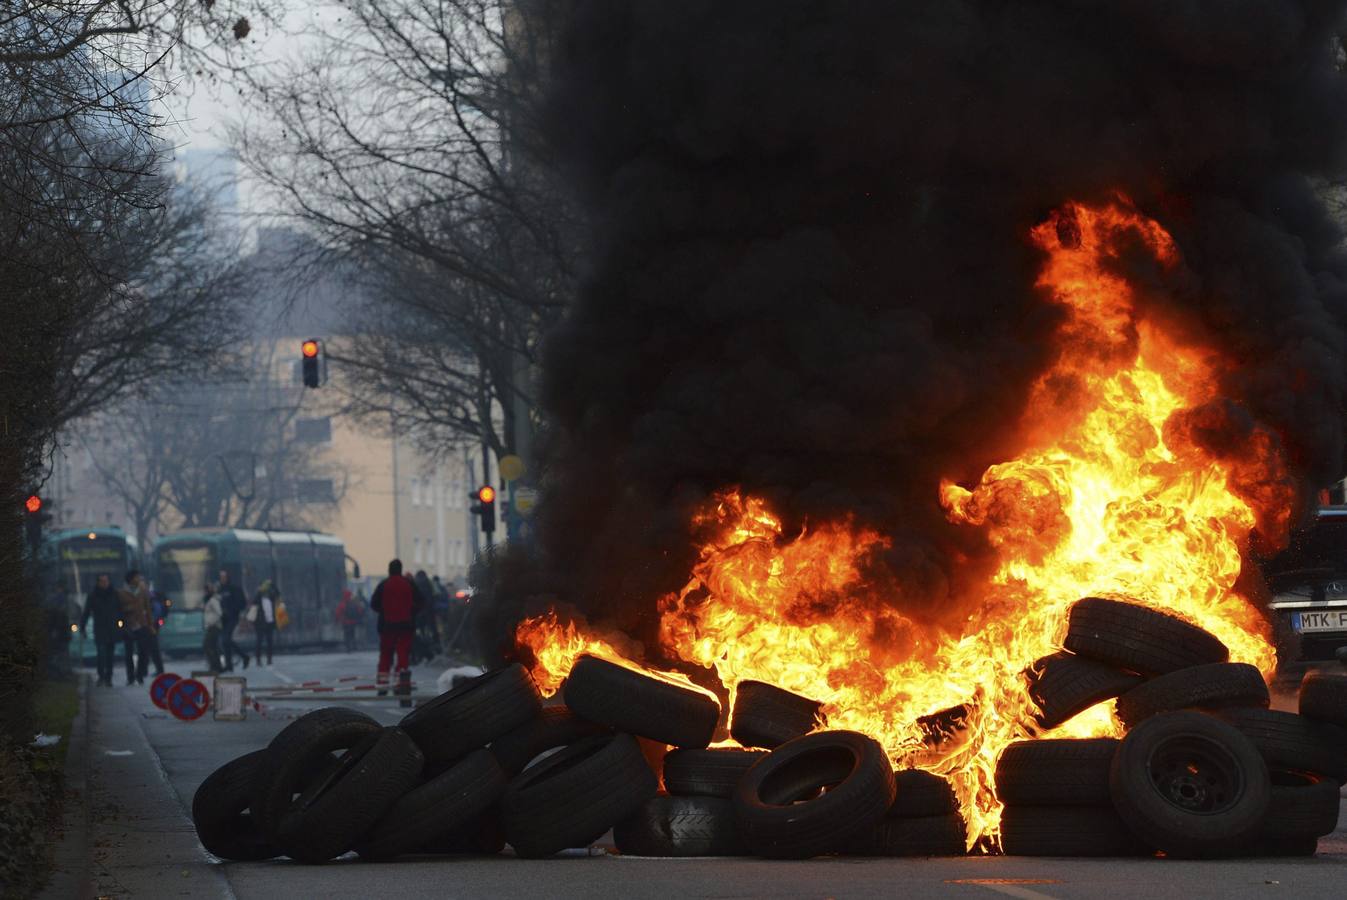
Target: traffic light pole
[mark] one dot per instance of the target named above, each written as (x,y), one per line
(486,479)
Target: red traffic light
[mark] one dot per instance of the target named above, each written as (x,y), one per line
(33,503)
(309,349)
(486,493)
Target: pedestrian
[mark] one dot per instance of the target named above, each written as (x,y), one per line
(427,629)
(350,612)
(233,603)
(135,606)
(440,602)
(397,601)
(158,615)
(263,616)
(212,616)
(105,608)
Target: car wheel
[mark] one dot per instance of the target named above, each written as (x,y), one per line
(1067,831)
(1064,685)
(680,826)
(1062,772)
(1289,741)
(1190,784)
(1212,686)
(707,773)
(766,716)
(473,715)
(1323,697)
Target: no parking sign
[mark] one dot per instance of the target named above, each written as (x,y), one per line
(160,687)
(188,699)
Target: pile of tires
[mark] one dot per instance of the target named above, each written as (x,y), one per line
(485,765)
(1204,770)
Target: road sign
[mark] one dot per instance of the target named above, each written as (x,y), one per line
(511,467)
(188,699)
(525,498)
(160,687)
(229,705)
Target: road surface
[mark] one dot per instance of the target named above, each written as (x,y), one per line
(135,769)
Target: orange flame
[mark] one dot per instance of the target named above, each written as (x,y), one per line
(1108,497)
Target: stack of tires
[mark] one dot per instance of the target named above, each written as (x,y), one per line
(485,765)
(1205,769)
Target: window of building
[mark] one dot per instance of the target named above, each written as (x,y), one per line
(314,431)
(315,490)
(416,549)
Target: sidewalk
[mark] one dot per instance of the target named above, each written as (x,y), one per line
(132,770)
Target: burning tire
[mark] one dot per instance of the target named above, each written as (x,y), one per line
(1323,697)
(630,701)
(766,716)
(1302,808)
(295,753)
(921,795)
(1067,831)
(925,836)
(473,714)
(680,826)
(1190,785)
(436,809)
(1138,638)
(330,816)
(1056,772)
(1065,684)
(1289,741)
(555,727)
(1212,686)
(778,806)
(707,773)
(571,798)
(220,810)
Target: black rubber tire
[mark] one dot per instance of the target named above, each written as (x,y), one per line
(1323,697)
(1068,831)
(921,795)
(1138,638)
(1302,807)
(1289,741)
(473,715)
(1287,847)
(680,826)
(1063,772)
(1159,785)
(640,704)
(437,809)
(707,773)
(779,811)
(220,810)
(326,822)
(480,837)
(925,836)
(293,756)
(766,716)
(1213,686)
(1064,685)
(571,798)
(555,727)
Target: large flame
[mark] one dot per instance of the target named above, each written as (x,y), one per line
(1105,499)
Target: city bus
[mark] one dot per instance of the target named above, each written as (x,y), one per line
(69,561)
(309,569)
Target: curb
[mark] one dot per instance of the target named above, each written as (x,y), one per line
(72,857)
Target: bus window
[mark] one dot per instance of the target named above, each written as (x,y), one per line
(184,572)
(79,562)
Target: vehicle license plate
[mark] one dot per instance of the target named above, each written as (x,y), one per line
(1319,620)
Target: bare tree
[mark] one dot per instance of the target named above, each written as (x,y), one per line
(404,142)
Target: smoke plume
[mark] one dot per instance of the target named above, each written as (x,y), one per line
(812,276)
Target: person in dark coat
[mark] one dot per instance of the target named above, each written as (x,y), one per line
(398,601)
(233,602)
(105,608)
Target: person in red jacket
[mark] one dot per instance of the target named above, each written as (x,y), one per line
(398,602)
(350,613)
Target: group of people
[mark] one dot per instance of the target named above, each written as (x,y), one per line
(435,623)
(224,607)
(129,615)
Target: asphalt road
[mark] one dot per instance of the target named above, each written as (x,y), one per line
(141,768)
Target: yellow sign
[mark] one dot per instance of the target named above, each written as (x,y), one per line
(511,467)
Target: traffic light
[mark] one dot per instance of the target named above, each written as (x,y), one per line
(34,518)
(312,351)
(485,507)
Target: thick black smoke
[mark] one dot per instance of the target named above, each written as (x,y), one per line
(813,277)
